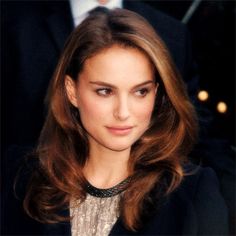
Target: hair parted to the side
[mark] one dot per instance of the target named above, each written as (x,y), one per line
(156,159)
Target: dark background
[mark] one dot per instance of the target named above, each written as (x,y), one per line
(212,28)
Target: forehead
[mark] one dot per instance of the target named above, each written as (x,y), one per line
(116,64)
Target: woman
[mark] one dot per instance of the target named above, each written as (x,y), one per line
(111,158)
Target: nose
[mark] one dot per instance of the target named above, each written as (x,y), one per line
(121,109)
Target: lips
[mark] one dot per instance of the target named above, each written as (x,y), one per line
(120,130)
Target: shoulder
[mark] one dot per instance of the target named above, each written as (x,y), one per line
(16,175)
(30,15)
(164,24)
(197,176)
(15,156)
(173,32)
(18,168)
(199,181)
(194,208)
(200,193)
(21,11)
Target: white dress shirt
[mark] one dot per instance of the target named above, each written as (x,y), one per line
(80,8)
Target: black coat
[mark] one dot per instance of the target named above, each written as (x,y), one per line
(195,208)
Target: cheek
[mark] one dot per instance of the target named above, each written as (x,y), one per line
(144,115)
(143,111)
(92,109)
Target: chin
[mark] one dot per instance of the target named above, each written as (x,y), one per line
(118,147)
(115,144)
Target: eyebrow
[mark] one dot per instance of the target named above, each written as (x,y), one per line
(101,83)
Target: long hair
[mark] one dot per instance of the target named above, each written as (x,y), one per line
(156,159)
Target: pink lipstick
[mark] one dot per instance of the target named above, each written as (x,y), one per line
(120,130)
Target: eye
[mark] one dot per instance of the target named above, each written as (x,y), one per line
(104,92)
(142,92)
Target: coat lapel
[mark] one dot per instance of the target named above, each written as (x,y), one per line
(119,229)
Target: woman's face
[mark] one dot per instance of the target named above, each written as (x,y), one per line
(115,95)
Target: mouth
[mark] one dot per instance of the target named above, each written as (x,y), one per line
(120,130)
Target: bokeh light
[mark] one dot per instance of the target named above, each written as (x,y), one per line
(221,107)
(203,95)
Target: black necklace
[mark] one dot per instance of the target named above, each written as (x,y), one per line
(109,192)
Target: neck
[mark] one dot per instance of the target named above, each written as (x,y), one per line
(105,168)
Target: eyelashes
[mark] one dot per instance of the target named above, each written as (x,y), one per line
(142,92)
(106,92)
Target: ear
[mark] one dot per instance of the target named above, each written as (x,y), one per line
(70,86)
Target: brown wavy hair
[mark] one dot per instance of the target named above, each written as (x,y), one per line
(156,160)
